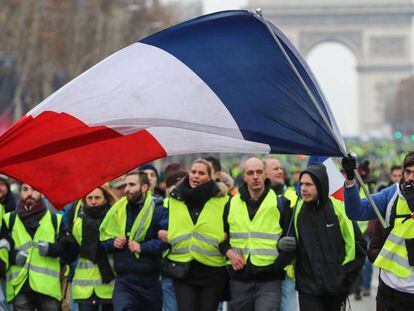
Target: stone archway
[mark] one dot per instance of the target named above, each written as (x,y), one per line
(334,64)
(378,32)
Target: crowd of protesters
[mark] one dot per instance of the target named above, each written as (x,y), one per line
(204,235)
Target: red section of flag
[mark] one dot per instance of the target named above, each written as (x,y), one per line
(339,195)
(65,159)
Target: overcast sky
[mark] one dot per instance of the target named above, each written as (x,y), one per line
(220,5)
(334,68)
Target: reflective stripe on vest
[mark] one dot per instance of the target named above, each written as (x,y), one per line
(42,272)
(195,248)
(143,220)
(194,235)
(256,238)
(259,235)
(90,264)
(198,241)
(84,283)
(393,255)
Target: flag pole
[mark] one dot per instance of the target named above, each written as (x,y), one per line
(325,120)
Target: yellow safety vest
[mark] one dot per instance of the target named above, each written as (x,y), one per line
(345,225)
(78,206)
(87,278)
(4,254)
(198,241)
(114,223)
(43,272)
(255,238)
(291,195)
(393,255)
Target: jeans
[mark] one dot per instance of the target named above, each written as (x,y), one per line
(3,302)
(34,301)
(169,303)
(366,274)
(288,300)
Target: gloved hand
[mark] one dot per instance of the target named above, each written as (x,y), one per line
(21,258)
(349,164)
(287,244)
(43,248)
(5,244)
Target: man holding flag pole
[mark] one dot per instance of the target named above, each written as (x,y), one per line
(396,258)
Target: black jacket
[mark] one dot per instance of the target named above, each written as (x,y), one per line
(321,247)
(250,271)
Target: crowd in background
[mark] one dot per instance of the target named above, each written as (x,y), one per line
(119,247)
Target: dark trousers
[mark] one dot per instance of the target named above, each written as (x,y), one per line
(198,298)
(320,303)
(393,300)
(32,301)
(87,307)
(132,295)
(255,295)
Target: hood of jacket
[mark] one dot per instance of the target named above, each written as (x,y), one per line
(319,175)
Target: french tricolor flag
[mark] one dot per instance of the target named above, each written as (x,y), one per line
(336,179)
(217,83)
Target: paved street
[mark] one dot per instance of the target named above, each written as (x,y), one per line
(367,303)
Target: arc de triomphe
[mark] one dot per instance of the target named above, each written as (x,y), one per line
(378,32)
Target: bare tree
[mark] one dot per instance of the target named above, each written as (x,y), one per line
(54,41)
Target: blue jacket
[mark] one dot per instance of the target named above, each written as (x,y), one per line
(147,266)
(357,209)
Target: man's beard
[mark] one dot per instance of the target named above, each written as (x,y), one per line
(135,197)
(30,202)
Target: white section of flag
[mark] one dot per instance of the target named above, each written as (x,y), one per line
(141,87)
(336,180)
(178,141)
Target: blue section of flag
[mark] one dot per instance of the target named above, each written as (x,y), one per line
(236,56)
(315,159)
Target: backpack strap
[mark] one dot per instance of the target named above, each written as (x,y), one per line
(393,216)
(12,220)
(280,204)
(55,223)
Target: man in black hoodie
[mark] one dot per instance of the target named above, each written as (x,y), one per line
(327,259)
